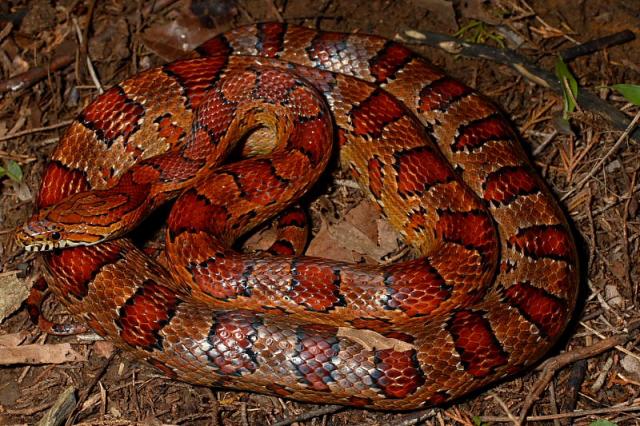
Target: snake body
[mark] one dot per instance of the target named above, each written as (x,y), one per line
(493,287)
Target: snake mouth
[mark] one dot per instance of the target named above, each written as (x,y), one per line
(46,246)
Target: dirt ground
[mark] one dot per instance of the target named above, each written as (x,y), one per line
(124,37)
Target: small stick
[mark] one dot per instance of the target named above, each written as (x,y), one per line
(524,66)
(416,418)
(90,68)
(552,365)
(623,137)
(85,394)
(597,44)
(35,130)
(576,413)
(329,409)
(29,78)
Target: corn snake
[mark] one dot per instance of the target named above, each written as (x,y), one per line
(491,292)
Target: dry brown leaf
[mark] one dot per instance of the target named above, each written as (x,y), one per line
(179,36)
(14,291)
(103,348)
(372,340)
(260,240)
(352,238)
(39,354)
(326,246)
(363,218)
(631,366)
(13,339)
(387,237)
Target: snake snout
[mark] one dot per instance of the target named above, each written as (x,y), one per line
(39,235)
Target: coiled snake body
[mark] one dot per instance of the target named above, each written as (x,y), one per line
(492,290)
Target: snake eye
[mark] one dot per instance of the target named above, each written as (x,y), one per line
(55,236)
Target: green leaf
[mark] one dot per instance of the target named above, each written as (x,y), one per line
(569,88)
(602,422)
(631,92)
(2,171)
(476,421)
(14,171)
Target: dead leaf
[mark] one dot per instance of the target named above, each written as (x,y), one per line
(612,295)
(14,291)
(103,348)
(179,36)
(387,237)
(362,217)
(13,339)
(631,365)
(326,246)
(39,354)
(372,340)
(260,240)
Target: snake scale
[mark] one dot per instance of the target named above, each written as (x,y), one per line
(491,291)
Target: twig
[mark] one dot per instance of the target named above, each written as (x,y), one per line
(623,137)
(597,44)
(524,66)
(626,239)
(35,130)
(243,414)
(577,413)
(156,6)
(416,418)
(90,68)
(506,409)
(329,409)
(61,409)
(552,365)
(6,31)
(29,78)
(89,388)
(620,348)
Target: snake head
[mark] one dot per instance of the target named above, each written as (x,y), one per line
(42,234)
